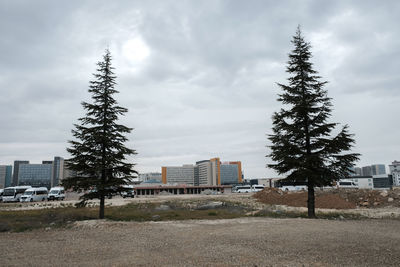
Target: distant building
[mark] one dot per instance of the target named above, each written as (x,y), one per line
(366,171)
(5,176)
(178,175)
(47,174)
(355,171)
(16,171)
(231,173)
(378,169)
(395,172)
(150,176)
(58,171)
(205,172)
(36,175)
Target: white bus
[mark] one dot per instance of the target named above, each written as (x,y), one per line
(34,194)
(13,194)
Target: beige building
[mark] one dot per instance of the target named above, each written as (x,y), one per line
(206,172)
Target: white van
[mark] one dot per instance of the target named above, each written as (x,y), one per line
(34,194)
(258,187)
(293,188)
(345,183)
(13,194)
(1,194)
(56,193)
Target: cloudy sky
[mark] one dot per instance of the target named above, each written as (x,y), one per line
(198,77)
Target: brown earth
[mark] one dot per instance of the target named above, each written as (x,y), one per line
(332,199)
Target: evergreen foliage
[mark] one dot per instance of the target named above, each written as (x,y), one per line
(303,147)
(98,161)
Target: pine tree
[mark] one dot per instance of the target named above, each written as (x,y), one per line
(98,152)
(303,147)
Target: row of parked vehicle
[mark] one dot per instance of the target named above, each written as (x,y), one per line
(31,194)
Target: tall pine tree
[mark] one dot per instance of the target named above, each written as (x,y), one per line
(303,147)
(99,156)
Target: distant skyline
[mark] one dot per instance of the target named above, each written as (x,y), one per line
(198,77)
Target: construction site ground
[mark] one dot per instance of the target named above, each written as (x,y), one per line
(236,242)
(366,203)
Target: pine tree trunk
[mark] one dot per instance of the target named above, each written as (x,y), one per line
(311,200)
(101,211)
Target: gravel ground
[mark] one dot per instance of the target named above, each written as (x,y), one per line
(237,242)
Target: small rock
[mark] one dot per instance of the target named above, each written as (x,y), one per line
(384,193)
(365,204)
(376,203)
(163,207)
(390,199)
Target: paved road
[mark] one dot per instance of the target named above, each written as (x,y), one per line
(237,242)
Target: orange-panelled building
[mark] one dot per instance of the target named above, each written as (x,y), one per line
(205,172)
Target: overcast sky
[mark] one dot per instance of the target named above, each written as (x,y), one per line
(198,77)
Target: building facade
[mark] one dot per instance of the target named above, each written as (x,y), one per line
(378,169)
(36,175)
(150,176)
(179,175)
(206,172)
(395,172)
(16,171)
(5,176)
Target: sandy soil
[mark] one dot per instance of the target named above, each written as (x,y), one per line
(236,242)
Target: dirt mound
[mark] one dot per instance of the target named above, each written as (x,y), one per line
(332,199)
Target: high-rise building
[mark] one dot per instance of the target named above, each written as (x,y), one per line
(37,175)
(179,175)
(366,171)
(395,172)
(5,176)
(47,174)
(205,172)
(378,169)
(231,172)
(16,171)
(58,171)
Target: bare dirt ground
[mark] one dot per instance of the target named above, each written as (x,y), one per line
(235,242)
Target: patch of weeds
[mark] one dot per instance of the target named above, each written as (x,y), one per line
(212,213)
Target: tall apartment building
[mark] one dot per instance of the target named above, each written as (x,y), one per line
(205,172)
(5,176)
(16,171)
(395,172)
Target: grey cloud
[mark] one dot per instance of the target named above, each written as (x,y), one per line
(208,87)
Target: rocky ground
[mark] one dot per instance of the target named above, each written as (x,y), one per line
(235,242)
